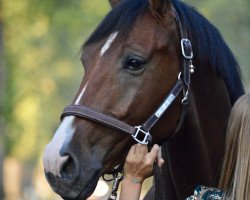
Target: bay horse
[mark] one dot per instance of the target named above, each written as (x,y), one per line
(132,61)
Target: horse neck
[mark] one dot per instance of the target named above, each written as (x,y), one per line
(195,154)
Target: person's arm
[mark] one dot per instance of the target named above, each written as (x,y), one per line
(130,190)
(138,167)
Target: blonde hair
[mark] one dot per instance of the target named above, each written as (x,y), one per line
(235,177)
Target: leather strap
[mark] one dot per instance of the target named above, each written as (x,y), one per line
(88,113)
(186,48)
(178,87)
(187,53)
(138,131)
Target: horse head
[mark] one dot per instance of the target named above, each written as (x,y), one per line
(131,61)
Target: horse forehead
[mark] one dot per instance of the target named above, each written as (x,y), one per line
(145,24)
(147,32)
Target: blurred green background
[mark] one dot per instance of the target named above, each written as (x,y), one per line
(40,72)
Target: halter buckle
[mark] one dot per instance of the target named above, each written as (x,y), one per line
(186,48)
(141,136)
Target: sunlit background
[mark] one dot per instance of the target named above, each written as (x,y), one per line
(40,72)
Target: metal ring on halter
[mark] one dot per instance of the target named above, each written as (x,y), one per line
(105,178)
(113,173)
(146,137)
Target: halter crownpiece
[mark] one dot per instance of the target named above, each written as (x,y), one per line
(141,133)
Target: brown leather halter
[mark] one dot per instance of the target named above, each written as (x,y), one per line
(141,133)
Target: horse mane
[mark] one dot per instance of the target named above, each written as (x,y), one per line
(210,48)
(208,44)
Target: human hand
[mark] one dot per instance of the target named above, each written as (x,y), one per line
(139,162)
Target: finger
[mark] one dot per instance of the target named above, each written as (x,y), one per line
(160,162)
(159,155)
(143,149)
(131,151)
(137,149)
(152,155)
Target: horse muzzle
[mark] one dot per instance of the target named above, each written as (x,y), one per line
(68,177)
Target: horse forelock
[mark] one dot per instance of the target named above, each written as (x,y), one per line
(120,19)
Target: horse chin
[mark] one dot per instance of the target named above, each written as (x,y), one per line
(89,187)
(76,191)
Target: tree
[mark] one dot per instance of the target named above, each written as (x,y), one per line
(2,91)
(42,45)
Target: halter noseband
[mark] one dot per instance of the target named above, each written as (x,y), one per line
(141,133)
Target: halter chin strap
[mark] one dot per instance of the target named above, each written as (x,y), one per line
(141,133)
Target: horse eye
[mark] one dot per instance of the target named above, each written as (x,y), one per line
(134,64)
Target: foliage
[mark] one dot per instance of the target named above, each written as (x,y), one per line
(42,40)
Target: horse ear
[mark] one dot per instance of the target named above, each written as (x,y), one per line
(160,6)
(114,2)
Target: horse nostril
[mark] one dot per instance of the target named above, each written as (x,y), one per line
(50,177)
(68,169)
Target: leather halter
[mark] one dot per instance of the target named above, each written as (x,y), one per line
(141,133)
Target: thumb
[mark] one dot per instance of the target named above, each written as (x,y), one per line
(152,155)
